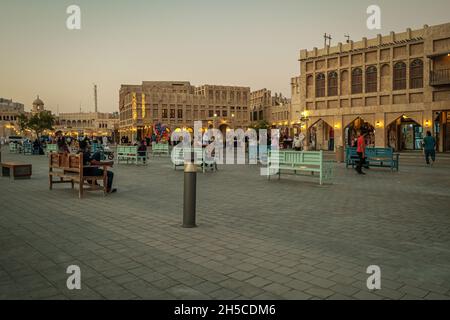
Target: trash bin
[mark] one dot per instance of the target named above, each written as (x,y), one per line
(339,154)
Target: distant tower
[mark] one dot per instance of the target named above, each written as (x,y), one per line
(95,98)
(38,106)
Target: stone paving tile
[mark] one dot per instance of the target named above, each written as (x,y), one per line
(283,246)
(258,282)
(276,288)
(319,292)
(296,295)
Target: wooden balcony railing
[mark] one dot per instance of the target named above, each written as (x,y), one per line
(440,77)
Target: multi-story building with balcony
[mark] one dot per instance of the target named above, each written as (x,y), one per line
(394,87)
(177,105)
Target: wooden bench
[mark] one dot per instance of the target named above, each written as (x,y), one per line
(306,161)
(160,148)
(382,157)
(16,170)
(51,148)
(68,168)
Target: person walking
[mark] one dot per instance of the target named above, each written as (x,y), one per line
(361,150)
(429,147)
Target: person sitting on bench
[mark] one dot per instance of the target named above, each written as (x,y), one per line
(142,151)
(95,159)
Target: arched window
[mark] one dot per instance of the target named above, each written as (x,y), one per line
(400,76)
(320,85)
(416,74)
(357,83)
(371,79)
(332,84)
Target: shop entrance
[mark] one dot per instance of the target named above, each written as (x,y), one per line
(351,132)
(405,134)
(442,130)
(321,136)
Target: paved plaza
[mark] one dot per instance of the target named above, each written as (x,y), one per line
(288,239)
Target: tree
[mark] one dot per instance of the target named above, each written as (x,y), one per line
(37,122)
(23,122)
(262,124)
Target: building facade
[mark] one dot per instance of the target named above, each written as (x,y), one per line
(275,110)
(9,114)
(92,124)
(260,105)
(394,88)
(176,105)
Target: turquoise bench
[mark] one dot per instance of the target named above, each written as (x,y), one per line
(160,148)
(351,157)
(300,161)
(96,147)
(383,158)
(27,148)
(201,159)
(130,154)
(14,147)
(51,148)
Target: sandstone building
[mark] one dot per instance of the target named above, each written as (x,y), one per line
(395,87)
(92,124)
(178,104)
(9,113)
(275,110)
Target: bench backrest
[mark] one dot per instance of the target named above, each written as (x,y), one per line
(27,147)
(66,161)
(127,150)
(350,152)
(95,147)
(52,147)
(297,157)
(379,152)
(12,146)
(161,146)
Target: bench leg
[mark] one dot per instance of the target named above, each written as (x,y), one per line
(50,180)
(80,190)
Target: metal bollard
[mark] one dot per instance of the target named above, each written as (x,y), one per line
(190,195)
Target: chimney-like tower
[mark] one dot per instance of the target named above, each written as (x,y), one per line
(95,98)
